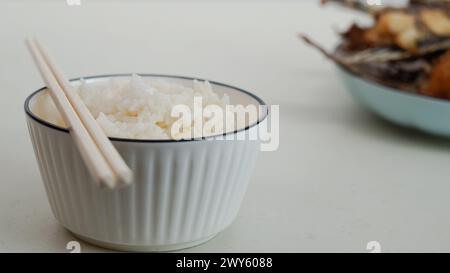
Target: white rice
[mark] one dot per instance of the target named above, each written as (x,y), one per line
(139,107)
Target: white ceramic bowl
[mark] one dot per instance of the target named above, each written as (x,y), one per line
(184,193)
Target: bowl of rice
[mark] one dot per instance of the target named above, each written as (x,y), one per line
(188,183)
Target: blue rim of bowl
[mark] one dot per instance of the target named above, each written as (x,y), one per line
(117,139)
(411,93)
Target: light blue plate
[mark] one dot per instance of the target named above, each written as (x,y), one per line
(428,114)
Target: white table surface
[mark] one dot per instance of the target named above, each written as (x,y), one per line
(341,177)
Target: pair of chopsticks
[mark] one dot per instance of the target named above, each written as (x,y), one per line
(101,157)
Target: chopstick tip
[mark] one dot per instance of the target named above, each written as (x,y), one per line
(108,180)
(126,176)
(28,41)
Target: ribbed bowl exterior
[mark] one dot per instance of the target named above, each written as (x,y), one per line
(183,191)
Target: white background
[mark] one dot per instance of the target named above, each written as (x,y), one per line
(341,177)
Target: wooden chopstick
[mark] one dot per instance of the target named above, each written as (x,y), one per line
(95,160)
(110,153)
